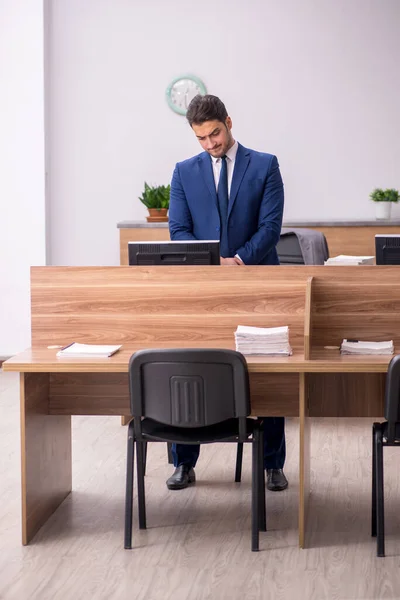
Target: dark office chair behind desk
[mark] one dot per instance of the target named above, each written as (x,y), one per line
(289,251)
(300,246)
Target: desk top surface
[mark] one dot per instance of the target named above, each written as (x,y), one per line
(44,360)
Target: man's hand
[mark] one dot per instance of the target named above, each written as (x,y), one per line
(231,261)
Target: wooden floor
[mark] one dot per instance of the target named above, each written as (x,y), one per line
(198,546)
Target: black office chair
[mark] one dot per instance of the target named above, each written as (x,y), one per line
(289,251)
(302,246)
(384,434)
(191,396)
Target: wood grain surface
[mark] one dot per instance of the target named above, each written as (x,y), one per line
(308,319)
(304,459)
(323,361)
(119,305)
(108,394)
(346,394)
(355,241)
(46,475)
(139,234)
(361,310)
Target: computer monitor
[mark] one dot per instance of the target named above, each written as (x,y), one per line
(196,252)
(387,249)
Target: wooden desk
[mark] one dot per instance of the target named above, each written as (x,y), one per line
(352,237)
(195,307)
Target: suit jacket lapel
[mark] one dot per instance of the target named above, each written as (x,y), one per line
(207,172)
(241,163)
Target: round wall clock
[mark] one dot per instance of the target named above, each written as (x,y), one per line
(182,90)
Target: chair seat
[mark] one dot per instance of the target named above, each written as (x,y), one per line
(227,430)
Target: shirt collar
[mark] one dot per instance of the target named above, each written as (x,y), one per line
(231,153)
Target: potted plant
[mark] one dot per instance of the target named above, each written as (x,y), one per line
(384,199)
(156,200)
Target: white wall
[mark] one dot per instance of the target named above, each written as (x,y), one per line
(22,169)
(315,82)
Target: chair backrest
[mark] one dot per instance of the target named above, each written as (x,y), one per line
(392,396)
(289,251)
(189,387)
(302,246)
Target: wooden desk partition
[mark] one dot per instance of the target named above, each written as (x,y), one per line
(195,307)
(140,307)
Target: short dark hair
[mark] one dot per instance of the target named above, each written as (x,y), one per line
(206,108)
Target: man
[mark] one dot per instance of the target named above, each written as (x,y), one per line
(235,194)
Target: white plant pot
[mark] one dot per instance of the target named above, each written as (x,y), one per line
(382,210)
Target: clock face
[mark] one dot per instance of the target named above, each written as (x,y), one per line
(182,90)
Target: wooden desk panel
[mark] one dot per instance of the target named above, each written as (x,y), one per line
(123,305)
(89,394)
(361,310)
(46,468)
(139,234)
(108,394)
(356,241)
(346,394)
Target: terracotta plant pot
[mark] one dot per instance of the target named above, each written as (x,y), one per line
(157,215)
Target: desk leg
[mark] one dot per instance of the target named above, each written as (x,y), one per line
(304,478)
(46,474)
(125,420)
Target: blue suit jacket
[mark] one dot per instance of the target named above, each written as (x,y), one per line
(255,205)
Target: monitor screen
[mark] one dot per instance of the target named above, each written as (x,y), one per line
(387,249)
(196,252)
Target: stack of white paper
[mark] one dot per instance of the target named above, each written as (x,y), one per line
(345,260)
(76,350)
(359,347)
(263,340)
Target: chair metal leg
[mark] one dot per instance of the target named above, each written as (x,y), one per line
(239,461)
(263,512)
(380,518)
(129,488)
(141,492)
(169,452)
(255,493)
(144,457)
(373,502)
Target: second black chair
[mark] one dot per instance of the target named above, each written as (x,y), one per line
(191,396)
(384,434)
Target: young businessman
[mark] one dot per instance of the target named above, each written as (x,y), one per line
(234,194)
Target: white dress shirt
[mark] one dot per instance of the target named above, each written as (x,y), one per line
(230,165)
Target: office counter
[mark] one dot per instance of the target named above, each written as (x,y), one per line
(343,237)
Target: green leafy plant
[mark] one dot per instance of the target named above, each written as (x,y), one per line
(155,196)
(389,195)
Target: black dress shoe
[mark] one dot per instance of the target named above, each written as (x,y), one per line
(183,476)
(276,480)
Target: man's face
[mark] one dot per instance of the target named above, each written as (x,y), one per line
(215,137)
